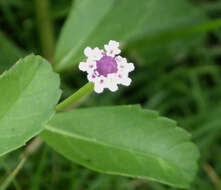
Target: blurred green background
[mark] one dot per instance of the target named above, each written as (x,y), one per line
(177,75)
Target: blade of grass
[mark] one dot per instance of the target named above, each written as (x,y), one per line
(41,165)
(11,177)
(45,28)
(202,28)
(6,168)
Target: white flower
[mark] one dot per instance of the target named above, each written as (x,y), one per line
(112,48)
(105,69)
(99,84)
(93,54)
(88,66)
(124,79)
(112,81)
(123,66)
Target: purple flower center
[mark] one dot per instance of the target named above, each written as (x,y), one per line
(106,65)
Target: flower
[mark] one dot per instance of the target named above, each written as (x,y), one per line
(106,68)
(112,48)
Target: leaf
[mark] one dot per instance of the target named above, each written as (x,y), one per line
(170,16)
(122,20)
(125,140)
(9,53)
(175,24)
(29,93)
(95,23)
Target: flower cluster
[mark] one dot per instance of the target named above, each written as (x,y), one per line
(106,69)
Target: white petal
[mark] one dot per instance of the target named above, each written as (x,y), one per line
(83,66)
(97,53)
(114,43)
(126,81)
(107,47)
(112,51)
(98,88)
(122,68)
(113,87)
(111,82)
(117,51)
(91,77)
(112,77)
(87,51)
(120,59)
(110,54)
(112,48)
(130,67)
(92,64)
(93,54)
(99,83)
(88,66)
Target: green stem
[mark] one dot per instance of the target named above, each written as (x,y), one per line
(45,27)
(82,92)
(11,177)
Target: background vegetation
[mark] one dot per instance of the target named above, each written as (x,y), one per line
(177,74)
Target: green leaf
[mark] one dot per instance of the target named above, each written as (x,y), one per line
(122,20)
(125,140)
(95,23)
(9,53)
(166,17)
(29,93)
(174,25)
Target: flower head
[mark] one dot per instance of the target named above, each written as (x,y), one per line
(106,69)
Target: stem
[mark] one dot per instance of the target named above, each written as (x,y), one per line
(83,91)
(213,176)
(45,28)
(36,143)
(8,181)
(7,169)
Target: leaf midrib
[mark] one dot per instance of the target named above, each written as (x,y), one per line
(122,173)
(24,89)
(127,149)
